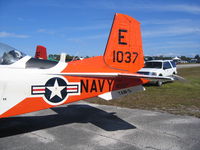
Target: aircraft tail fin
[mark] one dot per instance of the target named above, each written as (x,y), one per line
(124,46)
(41,52)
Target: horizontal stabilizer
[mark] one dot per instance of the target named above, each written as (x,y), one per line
(178,78)
(128,75)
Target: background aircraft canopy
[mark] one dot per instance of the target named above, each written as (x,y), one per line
(9,55)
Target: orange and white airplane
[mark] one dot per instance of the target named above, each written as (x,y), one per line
(30,84)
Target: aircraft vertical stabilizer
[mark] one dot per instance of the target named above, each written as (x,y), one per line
(124,46)
(41,52)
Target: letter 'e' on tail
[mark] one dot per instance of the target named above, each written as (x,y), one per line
(124,46)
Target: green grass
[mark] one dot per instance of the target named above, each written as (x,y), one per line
(178,97)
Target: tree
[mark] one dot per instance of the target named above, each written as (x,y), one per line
(197,57)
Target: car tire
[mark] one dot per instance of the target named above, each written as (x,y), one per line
(159,83)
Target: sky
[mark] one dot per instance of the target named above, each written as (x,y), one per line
(81,27)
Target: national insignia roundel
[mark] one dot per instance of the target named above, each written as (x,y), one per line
(56,90)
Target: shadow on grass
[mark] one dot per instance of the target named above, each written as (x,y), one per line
(154,84)
(64,115)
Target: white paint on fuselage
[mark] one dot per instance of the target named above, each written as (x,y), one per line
(16,81)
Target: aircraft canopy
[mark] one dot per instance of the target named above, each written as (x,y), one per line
(9,55)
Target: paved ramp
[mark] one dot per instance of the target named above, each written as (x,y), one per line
(84,126)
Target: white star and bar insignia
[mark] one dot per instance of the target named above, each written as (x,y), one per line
(56,90)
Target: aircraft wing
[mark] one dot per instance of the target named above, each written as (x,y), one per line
(128,75)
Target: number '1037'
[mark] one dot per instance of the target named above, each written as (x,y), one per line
(124,56)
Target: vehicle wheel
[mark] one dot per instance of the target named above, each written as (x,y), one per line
(159,83)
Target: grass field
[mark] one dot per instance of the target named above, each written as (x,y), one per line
(177,97)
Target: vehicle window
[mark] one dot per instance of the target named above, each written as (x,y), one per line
(153,65)
(173,64)
(166,65)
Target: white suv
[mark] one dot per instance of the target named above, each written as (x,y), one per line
(163,68)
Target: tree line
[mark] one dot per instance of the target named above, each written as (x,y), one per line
(69,58)
(183,58)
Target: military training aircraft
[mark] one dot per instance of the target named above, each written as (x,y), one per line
(29,84)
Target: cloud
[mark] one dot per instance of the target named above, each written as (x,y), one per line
(176,45)
(166,22)
(91,27)
(45,31)
(90,37)
(74,29)
(12,35)
(183,8)
(171,31)
(20,19)
(118,5)
(194,9)
(174,8)
(140,6)
(172,47)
